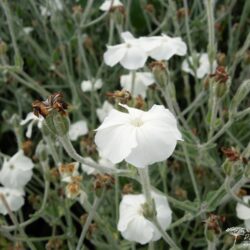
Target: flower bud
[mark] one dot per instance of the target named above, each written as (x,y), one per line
(3,48)
(221,80)
(240,95)
(159,69)
(148,211)
(42,151)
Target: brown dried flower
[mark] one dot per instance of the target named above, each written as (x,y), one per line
(53,102)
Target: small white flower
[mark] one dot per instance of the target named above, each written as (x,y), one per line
(27,30)
(77,129)
(102,161)
(134,226)
(88,85)
(52,6)
(243,212)
(16,172)
(13,197)
(203,67)
(138,137)
(130,54)
(107,4)
(164,47)
(34,119)
(104,110)
(141,82)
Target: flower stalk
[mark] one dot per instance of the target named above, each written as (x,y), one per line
(146,186)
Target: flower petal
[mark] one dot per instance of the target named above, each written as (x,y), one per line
(242,211)
(140,230)
(114,54)
(121,139)
(134,58)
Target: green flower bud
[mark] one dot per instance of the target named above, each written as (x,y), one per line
(240,95)
(57,123)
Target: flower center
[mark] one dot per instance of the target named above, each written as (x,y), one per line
(137,122)
(128,45)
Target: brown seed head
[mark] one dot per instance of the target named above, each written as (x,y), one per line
(53,102)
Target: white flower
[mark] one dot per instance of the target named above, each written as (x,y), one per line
(104,110)
(13,197)
(27,30)
(52,5)
(130,54)
(16,172)
(138,137)
(164,47)
(77,129)
(203,67)
(134,226)
(107,4)
(92,171)
(87,85)
(34,119)
(141,82)
(243,212)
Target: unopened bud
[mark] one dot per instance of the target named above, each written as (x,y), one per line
(159,69)
(3,48)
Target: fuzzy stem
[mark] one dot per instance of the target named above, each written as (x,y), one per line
(88,222)
(145,182)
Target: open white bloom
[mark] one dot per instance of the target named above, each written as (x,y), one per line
(13,197)
(33,119)
(141,82)
(77,129)
(243,212)
(107,4)
(92,171)
(203,67)
(16,172)
(104,111)
(138,137)
(130,54)
(164,47)
(134,226)
(88,85)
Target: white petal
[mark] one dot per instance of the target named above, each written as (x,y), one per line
(114,54)
(77,129)
(134,58)
(116,142)
(107,4)
(138,89)
(14,178)
(29,130)
(180,46)
(114,118)
(127,36)
(149,43)
(247,224)
(139,230)
(186,67)
(20,161)
(146,78)
(14,199)
(30,116)
(242,211)
(103,112)
(87,169)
